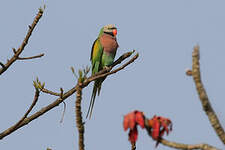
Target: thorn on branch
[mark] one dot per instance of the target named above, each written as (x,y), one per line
(14,50)
(189,72)
(61,92)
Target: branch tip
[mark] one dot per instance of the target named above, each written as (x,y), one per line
(14,50)
(189,72)
(202,94)
(32,57)
(61,92)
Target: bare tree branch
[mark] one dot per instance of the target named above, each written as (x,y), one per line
(187,146)
(203,96)
(103,74)
(118,61)
(49,92)
(24,43)
(79,122)
(37,92)
(32,57)
(69,93)
(15,127)
(195,72)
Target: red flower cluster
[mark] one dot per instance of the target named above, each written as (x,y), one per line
(131,121)
(156,126)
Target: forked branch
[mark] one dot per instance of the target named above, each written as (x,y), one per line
(16,126)
(22,46)
(67,94)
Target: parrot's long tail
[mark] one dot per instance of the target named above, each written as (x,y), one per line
(97,87)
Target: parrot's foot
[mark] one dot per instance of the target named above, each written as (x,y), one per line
(107,68)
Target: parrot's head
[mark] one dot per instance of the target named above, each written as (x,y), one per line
(109,29)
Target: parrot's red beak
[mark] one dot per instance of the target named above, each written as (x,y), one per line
(114,32)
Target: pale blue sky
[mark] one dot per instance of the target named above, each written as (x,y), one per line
(163,32)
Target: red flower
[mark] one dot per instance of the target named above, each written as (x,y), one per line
(156,126)
(133,134)
(159,125)
(131,121)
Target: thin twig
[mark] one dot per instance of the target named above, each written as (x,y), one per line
(50,92)
(61,92)
(79,121)
(123,57)
(32,57)
(59,100)
(187,146)
(14,127)
(14,50)
(24,43)
(37,92)
(203,96)
(118,61)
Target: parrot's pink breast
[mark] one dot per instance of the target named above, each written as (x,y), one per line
(109,43)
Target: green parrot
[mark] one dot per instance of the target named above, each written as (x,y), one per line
(102,55)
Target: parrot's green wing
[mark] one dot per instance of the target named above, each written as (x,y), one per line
(96,57)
